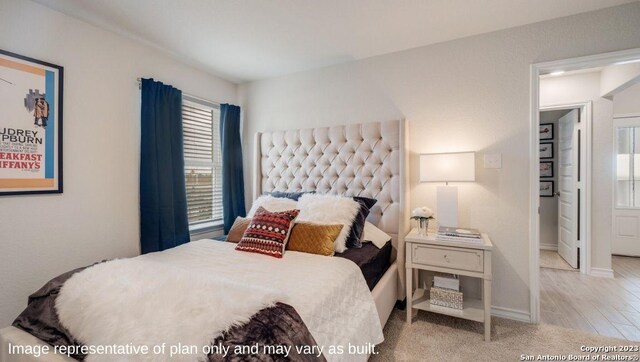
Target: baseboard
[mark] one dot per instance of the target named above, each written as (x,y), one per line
(549,247)
(601,273)
(508,313)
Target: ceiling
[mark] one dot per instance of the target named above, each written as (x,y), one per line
(246,40)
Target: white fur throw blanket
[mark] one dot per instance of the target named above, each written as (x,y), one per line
(141,302)
(191,293)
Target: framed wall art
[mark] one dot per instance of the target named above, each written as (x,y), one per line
(546,150)
(546,169)
(30,125)
(546,131)
(546,188)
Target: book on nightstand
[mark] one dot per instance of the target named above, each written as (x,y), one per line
(446,281)
(458,234)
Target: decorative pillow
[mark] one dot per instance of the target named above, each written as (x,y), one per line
(313,238)
(237,229)
(268,232)
(374,235)
(271,203)
(329,209)
(354,240)
(288,195)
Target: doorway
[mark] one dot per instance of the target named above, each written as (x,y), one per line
(600,303)
(561,211)
(583,193)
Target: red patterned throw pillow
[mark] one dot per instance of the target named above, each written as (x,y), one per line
(268,232)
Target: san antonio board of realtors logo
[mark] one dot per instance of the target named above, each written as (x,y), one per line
(35,102)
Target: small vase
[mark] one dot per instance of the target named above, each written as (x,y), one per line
(423,225)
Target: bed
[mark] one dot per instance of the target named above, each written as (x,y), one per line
(357,160)
(368,159)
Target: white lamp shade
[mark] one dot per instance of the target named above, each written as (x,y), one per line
(448,167)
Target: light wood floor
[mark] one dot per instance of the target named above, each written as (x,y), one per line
(551,259)
(609,307)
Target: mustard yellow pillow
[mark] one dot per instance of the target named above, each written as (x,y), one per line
(313,238)
(237,229)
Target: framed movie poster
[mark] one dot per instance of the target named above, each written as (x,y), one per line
(30,125)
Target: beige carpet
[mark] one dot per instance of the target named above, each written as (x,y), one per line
(551,259)
(433,337)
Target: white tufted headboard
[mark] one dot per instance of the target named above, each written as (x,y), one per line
(368,159)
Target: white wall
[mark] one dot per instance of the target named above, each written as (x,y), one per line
(97,216)
(583,88)
(467,94)
(617,77)
(566,89)
(627,101)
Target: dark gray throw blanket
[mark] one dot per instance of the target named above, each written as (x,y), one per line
(277,325)
(40,317)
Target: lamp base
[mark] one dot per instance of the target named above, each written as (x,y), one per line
(447,206)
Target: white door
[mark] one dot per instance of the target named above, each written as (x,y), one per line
(568,187)
(626,208)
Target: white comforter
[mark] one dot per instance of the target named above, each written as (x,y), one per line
(330,295)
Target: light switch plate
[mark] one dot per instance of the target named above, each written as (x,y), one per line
(493,160)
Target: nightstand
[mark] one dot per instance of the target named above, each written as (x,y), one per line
(462,258)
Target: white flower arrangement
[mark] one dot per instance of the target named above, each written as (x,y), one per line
(421,213)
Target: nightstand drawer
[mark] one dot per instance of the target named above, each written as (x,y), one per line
(463,259)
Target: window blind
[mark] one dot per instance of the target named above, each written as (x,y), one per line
(203,161)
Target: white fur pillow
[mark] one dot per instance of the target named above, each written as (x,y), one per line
(273,204)
(329,209)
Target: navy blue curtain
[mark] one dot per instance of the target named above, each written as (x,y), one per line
(232,174)
(163,200)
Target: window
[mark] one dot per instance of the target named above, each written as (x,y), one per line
(628,167)
(203,161)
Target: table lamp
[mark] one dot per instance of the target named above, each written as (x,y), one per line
(447,167)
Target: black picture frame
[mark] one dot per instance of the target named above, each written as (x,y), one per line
(47,151)
(546,131)
(546,169)
(544,155)
(547,188)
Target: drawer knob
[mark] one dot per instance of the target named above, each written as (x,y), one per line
(446,258)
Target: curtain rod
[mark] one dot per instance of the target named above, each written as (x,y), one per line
(186,94)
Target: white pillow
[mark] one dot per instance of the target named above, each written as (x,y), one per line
(376,236)
(329,209)
(273,204)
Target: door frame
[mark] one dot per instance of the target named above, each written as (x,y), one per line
(585,108)
(536,70)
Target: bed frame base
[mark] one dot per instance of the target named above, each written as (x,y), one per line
(385,293)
